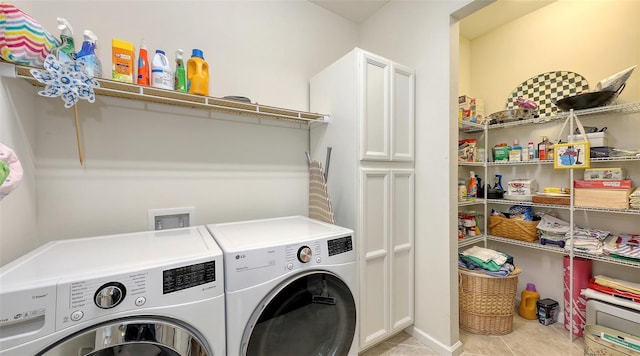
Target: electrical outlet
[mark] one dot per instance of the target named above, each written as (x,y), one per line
(171,218)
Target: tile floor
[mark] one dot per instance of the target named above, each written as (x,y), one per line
(529,338)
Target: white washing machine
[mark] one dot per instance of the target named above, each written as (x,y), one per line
(290,287)
(149,293)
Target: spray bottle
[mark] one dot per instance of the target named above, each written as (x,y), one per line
(180,76)
(143,65)
(88,55)
(66,52)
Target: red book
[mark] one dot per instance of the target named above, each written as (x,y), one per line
(602,183)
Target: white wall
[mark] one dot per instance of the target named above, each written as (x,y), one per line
(17,131)
(144,156)
(418,34)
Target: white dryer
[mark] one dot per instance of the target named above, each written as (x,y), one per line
(148,293)
(290,287)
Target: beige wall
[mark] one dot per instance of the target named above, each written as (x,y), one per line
(594,38)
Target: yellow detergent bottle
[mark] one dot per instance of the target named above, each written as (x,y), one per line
(528,300)
(197,74)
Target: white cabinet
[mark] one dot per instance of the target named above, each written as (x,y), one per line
(387,115)
(371,180)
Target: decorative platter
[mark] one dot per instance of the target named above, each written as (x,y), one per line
(547,88)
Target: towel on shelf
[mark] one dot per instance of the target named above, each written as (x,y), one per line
(623,245)
(617,284)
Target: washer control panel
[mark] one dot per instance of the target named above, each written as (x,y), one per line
(82,300)
(255,266)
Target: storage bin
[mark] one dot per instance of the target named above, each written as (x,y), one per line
(594,345)
(513,228)
(596,139)
(487,303)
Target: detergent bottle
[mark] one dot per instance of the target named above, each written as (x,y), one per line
(88,55)
(161,75)
(143,65)
(528,302)
(66,52)
(180,73)
(197,74)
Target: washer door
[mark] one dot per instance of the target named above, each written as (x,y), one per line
(310,314)
(131,337)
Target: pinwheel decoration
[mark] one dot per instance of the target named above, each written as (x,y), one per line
(71,82)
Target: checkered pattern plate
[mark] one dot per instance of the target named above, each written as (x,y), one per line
(547,88)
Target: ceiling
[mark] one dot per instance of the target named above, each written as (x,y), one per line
(494,15)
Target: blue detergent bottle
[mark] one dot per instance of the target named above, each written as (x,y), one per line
(88,55)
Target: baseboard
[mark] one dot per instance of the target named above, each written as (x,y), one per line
(435,345)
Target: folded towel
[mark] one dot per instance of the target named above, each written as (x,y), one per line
(617,284)
(486,255)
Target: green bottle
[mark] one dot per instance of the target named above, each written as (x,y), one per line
(66,52)
(180,76)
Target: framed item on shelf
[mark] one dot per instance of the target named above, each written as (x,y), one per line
(571,155)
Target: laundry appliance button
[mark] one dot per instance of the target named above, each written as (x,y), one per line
(289,266)
(140,301)
(77,315)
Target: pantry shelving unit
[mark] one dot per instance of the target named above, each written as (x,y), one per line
(483,131)
(117,89)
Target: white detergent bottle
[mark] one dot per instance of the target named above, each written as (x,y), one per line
(88,54)
(161,74)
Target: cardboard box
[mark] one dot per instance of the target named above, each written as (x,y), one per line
(501,153)
(602,183)
(547,311)
(596,139)
(602,198)
(604,173)
(522,187)
(467,110)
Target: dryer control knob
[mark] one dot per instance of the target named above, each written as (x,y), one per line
(109,295)
(304,254)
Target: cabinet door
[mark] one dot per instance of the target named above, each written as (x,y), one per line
(374,256)
(374,108)
(401,242)
(402,113)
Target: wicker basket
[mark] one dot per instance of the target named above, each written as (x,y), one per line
(487,303)
(513,228)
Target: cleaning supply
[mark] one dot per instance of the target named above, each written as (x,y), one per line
(197,74)
(472,190)
(498,183)
(66,52)
(161,75)
(180,76)
(532,151)
(88,55)
(528,302)
(515,154)
(122,61)
(462,191)
(143,65)
(542,148)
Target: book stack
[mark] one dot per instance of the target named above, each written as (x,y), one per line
(602,193)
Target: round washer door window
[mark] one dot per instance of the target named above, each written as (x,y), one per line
(311,314)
